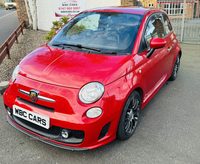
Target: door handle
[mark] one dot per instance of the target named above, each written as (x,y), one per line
(169,48)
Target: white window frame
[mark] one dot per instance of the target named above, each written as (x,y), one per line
(172,9)
(150,4)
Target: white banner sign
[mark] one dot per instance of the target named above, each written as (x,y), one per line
(68,7)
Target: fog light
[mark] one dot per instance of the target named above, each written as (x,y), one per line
(66,133)
(9,111)
(94,112)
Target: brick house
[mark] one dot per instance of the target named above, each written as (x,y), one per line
(174,8)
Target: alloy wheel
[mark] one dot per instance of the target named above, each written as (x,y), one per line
(132,115)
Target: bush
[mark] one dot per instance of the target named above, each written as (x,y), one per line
(56,26)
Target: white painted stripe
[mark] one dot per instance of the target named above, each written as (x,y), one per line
(7,14)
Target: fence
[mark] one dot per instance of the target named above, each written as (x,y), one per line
(6,46)
(184,15)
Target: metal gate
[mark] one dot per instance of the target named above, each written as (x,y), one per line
(184,15)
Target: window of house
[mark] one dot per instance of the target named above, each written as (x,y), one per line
(173,8)
(168,26)
(150,4)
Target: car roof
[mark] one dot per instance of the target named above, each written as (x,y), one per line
(123,9)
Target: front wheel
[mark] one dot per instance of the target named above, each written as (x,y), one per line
(129,117)
(175,68)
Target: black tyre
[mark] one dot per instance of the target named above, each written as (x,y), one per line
(175,68)
(129,116)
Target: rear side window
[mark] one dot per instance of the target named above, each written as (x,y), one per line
(154,29)
(168,26)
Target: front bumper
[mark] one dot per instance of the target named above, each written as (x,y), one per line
(41,138)
(10,6)
(67,112)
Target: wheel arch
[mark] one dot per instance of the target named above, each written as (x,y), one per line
(139,90)
(120,134)
(180,52)
(177,52)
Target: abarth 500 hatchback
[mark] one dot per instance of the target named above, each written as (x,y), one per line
(87,86)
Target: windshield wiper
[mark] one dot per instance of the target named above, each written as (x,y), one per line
(76,45)
(89,48)
(59,44)
(62,44)
(115,53)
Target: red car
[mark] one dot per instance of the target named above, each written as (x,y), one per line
(87,86)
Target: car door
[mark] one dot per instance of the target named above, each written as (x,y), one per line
(171,39)
(158,62)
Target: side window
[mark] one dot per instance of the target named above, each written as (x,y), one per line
(168,26)
(154,29)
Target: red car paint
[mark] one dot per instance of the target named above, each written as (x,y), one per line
(59,75)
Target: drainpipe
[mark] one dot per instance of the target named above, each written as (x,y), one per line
(30,19)
(183,20)
(35,24)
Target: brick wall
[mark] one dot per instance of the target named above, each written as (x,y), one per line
(129,2)
(21,11)
(2,2)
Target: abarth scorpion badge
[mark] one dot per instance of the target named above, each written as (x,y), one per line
(34,95)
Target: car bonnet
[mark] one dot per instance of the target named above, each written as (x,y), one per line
(72,68)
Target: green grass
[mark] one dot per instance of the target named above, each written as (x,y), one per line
(3,8)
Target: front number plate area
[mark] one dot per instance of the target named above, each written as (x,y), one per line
(32,117)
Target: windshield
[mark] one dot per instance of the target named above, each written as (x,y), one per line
(10,1)
(105,31)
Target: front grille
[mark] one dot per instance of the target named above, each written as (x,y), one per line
(53,133)
(35,105)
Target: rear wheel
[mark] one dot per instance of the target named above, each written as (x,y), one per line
(129,117)
(175,68)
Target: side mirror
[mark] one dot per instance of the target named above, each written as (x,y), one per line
(156,43)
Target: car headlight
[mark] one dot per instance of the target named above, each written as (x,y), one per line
(91,92)
(15,72)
